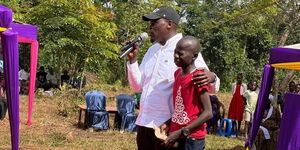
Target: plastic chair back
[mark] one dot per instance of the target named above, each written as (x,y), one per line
(230,128)
(95,101)
(126,112)
(97,116)
(125,104)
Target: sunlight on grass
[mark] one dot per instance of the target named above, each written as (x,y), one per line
(53,129)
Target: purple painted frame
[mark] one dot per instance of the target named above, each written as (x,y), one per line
(17,33)
(9,41)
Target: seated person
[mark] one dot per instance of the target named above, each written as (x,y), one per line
(75,82)
(267,136)
(216,105)
(2,84)
(298,88)
(41,78)
(24,80)
(65,77)
(52,79)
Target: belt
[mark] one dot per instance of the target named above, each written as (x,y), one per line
(194,139)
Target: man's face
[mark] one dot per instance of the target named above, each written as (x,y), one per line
(158,29)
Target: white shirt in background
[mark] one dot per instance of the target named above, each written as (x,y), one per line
(52,78)
(23,75)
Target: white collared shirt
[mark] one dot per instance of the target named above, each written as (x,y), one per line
(155,78)
(23,75)
(242,90)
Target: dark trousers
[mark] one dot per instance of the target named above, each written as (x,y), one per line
(146,139)
(190,144)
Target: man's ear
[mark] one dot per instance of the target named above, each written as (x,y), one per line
(172,25)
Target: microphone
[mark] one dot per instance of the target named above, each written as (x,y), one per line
(129,47)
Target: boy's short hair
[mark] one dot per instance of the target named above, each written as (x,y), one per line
(196,41)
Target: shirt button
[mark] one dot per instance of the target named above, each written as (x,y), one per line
(166,61)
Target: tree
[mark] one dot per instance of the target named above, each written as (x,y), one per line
(74,34)
(234,34)
(291,12)
(128,18)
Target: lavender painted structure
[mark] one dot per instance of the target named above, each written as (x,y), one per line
(9,41)
(289,134)
(17,33)
(289,137)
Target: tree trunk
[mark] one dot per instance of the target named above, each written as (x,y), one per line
(283,84)
(280,86)
(82,76)
(124,80)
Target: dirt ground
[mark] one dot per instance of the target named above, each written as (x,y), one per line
(55,124)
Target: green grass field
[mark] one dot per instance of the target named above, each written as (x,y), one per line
(55,127)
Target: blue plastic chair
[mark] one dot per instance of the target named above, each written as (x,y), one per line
(96,112)
(230,129)
(126,113)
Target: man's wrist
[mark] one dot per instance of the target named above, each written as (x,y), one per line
(131,61)
(185,131)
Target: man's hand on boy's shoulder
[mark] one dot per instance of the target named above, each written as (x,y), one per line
(203,78)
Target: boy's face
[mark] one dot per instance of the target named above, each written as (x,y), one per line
(183,55)
(253,86)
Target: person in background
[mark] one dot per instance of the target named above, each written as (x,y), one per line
(24,80)
(251,97)
(2,84)
(298,88)
(192,107)
(268,131)
(292,87)
(65,77)
(154,77)
(236,108)
(216,106)
(41,78)
(52,79)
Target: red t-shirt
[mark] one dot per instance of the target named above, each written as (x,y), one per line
(187,105)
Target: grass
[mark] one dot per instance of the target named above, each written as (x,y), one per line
(55,126)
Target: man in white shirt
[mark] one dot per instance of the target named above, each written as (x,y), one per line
(154,77)
(24,74)
(23,80)
(52,78)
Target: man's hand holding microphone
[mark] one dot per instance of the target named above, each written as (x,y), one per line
(131,49)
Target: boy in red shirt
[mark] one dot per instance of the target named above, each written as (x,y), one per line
(192,107)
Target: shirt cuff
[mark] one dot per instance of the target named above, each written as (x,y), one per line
(132,67)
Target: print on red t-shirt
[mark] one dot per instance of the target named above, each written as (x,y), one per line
(187,105)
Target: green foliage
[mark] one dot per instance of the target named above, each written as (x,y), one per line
(73,34)
(84,35)
(231,44)
(128,18)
